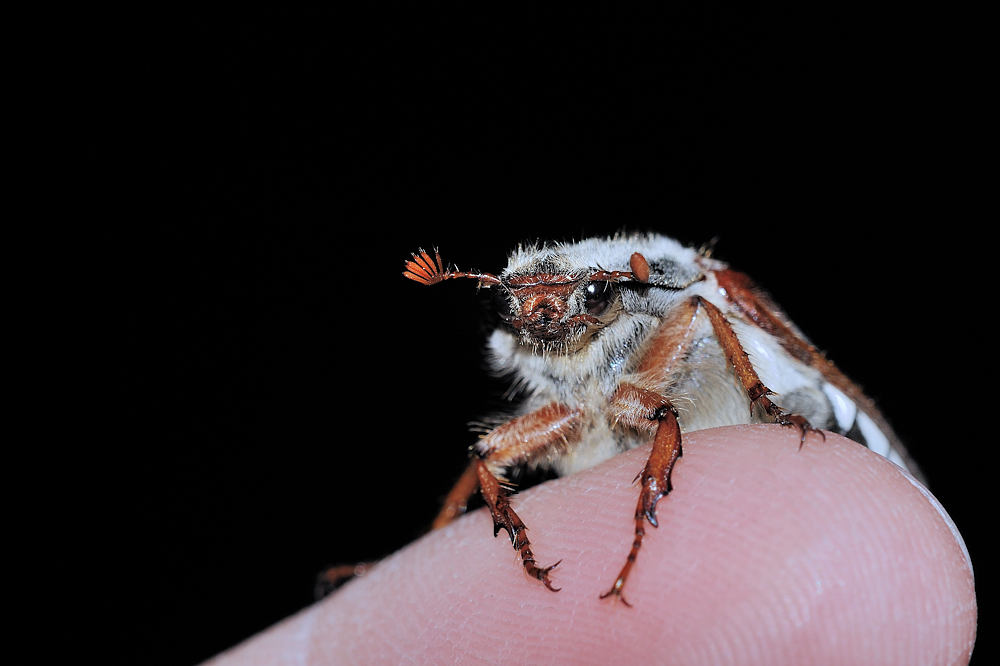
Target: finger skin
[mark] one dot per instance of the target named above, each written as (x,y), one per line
(765,554)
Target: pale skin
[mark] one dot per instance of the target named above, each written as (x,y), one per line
(765,554)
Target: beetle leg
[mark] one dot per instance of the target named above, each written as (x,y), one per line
(498,499)
(748,377)
(628,401)
(521,441)
(647,410)
(331,578)
(457,500)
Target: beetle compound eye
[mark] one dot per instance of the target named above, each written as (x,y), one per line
(598,298)
(501,304)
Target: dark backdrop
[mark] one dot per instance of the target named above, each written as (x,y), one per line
(238,387)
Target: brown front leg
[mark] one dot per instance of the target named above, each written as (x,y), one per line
(520,441)
(655,477)
(498,499)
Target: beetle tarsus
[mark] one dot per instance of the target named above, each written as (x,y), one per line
(616,591)
(334,576)
(543,575)
(498,500)
(802,424)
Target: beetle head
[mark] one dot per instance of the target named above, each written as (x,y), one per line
(555,311)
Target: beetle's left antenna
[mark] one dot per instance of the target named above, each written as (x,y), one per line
(430,270)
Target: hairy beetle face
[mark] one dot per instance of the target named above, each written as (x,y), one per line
(553,313)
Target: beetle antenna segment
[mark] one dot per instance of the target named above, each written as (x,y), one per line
(423,268)
(612,276)
(639,266)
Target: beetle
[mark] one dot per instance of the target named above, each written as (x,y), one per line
(615,342)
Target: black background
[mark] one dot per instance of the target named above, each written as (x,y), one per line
(233,386)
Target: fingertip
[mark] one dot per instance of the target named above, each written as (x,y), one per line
(766,554)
